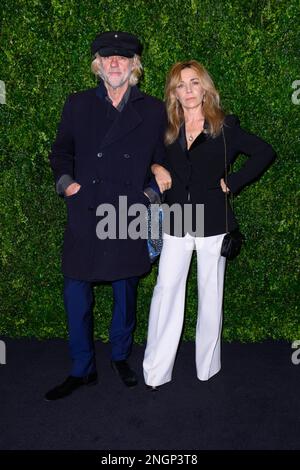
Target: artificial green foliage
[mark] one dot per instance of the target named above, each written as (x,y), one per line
(251,48)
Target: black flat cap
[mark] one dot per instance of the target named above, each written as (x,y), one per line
(116,43)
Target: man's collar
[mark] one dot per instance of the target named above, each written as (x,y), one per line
(136,94)
(103,95)
(133,92)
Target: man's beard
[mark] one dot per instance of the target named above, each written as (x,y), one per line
(118,82)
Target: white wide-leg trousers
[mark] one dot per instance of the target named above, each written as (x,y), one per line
(167,307)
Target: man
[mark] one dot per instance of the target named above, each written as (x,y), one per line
(107,140)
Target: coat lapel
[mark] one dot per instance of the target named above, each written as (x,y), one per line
(125,123)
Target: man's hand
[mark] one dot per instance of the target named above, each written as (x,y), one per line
(73,188)
(225,188)
(162,176)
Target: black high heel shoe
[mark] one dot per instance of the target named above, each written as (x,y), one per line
(153,388)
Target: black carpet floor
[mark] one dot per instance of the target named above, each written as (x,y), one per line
(253,403)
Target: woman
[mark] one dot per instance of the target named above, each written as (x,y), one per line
(196,137)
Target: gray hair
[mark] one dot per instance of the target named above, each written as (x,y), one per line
(136,71)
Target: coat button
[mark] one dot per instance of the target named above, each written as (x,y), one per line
(126,155)
(100,155)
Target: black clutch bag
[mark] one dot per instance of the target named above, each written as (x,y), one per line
(233,240)
(232,244)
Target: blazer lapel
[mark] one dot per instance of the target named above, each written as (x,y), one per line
(179,160)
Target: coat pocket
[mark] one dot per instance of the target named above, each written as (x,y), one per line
(79,213)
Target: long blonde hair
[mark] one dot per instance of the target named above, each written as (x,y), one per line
(213,113)
(136,72)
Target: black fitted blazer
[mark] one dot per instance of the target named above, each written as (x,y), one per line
(196,172)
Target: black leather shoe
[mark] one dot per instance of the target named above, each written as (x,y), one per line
(69,385)
(126,374)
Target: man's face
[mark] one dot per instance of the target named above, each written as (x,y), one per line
(116,70)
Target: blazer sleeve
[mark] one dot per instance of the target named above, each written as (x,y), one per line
(260,154)
(62,151)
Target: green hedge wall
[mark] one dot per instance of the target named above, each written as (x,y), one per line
(251,48)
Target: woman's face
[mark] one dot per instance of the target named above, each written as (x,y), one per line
(189,91)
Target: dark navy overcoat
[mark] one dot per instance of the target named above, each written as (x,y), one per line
(108,156)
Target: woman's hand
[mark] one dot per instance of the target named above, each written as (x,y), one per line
(225,188)
(162,176)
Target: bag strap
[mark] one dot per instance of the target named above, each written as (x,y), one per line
(226,194)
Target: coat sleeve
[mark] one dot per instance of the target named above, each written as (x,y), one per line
(159,154)
(159,157)
(260,154)
(62,151)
